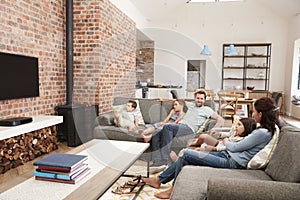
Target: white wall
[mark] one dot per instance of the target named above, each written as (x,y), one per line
(172,50)
(215,24)
(131,11)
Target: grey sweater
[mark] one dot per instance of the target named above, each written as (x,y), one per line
(243,151)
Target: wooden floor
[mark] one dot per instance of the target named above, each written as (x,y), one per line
(23,172)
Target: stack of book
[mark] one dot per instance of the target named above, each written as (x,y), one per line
(63,168)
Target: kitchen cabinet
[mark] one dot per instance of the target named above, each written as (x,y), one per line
(251,67)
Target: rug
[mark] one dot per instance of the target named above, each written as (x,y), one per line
(146,194)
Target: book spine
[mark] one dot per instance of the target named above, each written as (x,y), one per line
(54,180)
(44,174)
(74,171)
(54,169)
(69,177)
(72,181)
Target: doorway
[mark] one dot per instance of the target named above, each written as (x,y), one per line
(196,74)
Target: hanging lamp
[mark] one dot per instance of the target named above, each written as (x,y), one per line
(231,51)
(205,51)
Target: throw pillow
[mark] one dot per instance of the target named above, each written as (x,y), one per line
(139,114)
(118,110)
(202,127)
(261,159)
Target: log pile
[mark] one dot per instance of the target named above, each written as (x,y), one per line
(20,149)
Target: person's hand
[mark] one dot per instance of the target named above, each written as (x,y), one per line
(161,123)
(225,139)
(215,134)
(208,148)
(200,149)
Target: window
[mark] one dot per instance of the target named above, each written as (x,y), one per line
(295,82)
(299,71)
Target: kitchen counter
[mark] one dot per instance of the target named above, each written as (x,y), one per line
(154,92)
(160,87)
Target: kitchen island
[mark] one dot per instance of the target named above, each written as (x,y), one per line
(159,92)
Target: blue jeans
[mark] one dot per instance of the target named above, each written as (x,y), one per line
(217,159)
(162,140)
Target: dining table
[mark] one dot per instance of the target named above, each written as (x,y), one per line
(248,102)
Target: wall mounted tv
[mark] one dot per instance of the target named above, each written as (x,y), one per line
(19,76)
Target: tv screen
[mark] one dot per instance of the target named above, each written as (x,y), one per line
(19,76)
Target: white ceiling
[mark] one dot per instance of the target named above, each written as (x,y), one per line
(154,9)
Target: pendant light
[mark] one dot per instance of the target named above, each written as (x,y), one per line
(205,51)
(231,51)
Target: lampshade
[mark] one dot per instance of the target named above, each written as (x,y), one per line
(231,51)
(205,51)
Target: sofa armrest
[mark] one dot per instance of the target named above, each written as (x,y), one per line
(224,188)
(105,119)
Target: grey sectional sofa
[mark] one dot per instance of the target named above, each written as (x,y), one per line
(152,110)
(279,180)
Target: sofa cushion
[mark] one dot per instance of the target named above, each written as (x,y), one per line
(105,119)
(121,100)
(262,158)
(115,133)
(139,114)
(192,181)
(221,188)
(166,107)
(211,104)
(285,162)
(150,109)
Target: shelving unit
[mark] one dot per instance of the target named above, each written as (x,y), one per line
(250,67)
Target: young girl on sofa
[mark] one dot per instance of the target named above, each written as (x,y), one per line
(206,142)
(174,116)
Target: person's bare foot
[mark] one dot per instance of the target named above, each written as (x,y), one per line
(153,182)
(142,134)
(165,194)
(173,156)
(147,138)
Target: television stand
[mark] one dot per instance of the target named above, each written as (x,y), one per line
(15,121)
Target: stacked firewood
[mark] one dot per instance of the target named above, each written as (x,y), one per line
(20,149)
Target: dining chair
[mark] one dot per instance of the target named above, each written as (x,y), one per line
(278,97)
(228,104)
(174,94)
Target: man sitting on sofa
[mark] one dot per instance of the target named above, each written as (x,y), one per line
(195,116)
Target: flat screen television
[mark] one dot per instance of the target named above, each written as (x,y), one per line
(19,76)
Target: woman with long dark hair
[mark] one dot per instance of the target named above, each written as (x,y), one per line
(236,156)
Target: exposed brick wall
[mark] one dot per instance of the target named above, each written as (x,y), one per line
(104,47)
(145,61)
(35,28)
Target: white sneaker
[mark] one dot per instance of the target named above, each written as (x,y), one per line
(156,169)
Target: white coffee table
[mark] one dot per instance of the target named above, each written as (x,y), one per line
(108,160)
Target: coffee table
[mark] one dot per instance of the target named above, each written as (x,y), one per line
(108,160)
